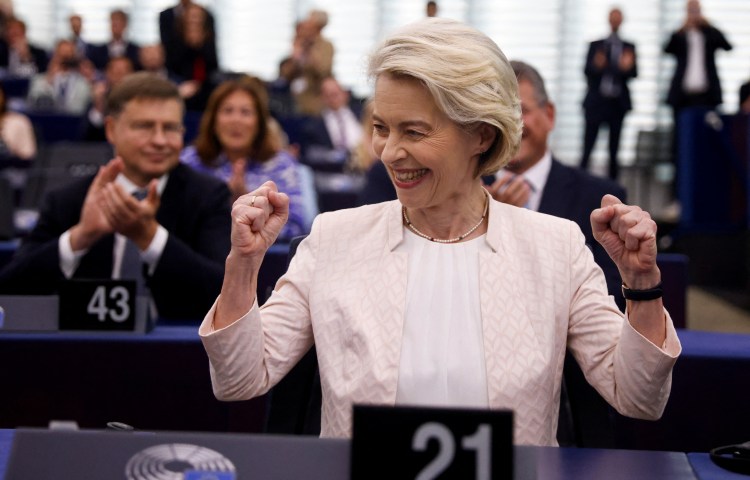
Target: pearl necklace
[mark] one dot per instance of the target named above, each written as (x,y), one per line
(449,240)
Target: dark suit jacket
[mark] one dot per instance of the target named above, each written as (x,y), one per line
(678,47)
(594,77)
(195,210)
(378,186)
(573,194)
(313,131)
(41,59)
(99,55)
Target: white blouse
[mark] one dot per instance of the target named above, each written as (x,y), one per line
(442,354)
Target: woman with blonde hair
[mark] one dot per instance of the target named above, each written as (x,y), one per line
(444,296)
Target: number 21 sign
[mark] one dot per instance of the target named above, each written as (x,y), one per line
(431,443)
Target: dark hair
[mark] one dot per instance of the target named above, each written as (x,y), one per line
(141,85)
(207,142)
(120,13)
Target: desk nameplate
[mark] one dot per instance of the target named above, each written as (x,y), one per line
(430,443)
(41,313)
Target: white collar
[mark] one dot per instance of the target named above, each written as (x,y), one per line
(537,174)
(131,187)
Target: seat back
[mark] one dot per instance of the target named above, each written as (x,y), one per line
(674,275)
(653,147)
(6,209)
(59,163)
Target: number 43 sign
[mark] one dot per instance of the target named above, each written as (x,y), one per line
(97,305)
(431,443)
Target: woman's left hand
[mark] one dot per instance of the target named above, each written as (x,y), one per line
(628,234)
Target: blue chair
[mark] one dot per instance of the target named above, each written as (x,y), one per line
(674,274)
(54,127)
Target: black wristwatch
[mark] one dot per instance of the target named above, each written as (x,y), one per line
(640,295)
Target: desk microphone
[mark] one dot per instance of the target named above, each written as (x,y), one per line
(123,427)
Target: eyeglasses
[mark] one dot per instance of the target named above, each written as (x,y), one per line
(171,131)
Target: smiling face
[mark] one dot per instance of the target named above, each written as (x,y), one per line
(538,122)
(147,134)
(236,123)
(431,160)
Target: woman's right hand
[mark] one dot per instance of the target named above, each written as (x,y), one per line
(257,220)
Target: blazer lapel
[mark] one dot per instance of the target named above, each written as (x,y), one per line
(389,287)
(504,298)
(172,199)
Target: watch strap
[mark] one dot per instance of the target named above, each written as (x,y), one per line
(642,295)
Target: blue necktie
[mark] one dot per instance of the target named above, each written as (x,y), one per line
(132,265)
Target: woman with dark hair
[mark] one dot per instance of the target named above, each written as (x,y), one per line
(239,142)
(193,57)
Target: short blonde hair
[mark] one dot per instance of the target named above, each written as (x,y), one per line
(466,73)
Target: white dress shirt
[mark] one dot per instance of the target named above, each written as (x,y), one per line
(442,354)
(343,118)
(695,79)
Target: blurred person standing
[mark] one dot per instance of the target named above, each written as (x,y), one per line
(313,54)
(696,79)
(170,20)
(83,48)
(193,57)
(695,82)
(118,45)
(610,64)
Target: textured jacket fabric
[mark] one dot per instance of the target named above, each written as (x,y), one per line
(541,291)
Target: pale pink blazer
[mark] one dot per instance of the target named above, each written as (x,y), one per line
(540,292)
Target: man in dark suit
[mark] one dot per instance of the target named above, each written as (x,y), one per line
(17,55)
(179,232)
(610,63)
(118,45)
(696,80)
(535,179)
(337,130)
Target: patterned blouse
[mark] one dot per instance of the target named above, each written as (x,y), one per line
(282,168)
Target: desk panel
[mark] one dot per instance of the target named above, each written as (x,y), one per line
(329,458)
(705,469)
(157,381)
(708,405)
